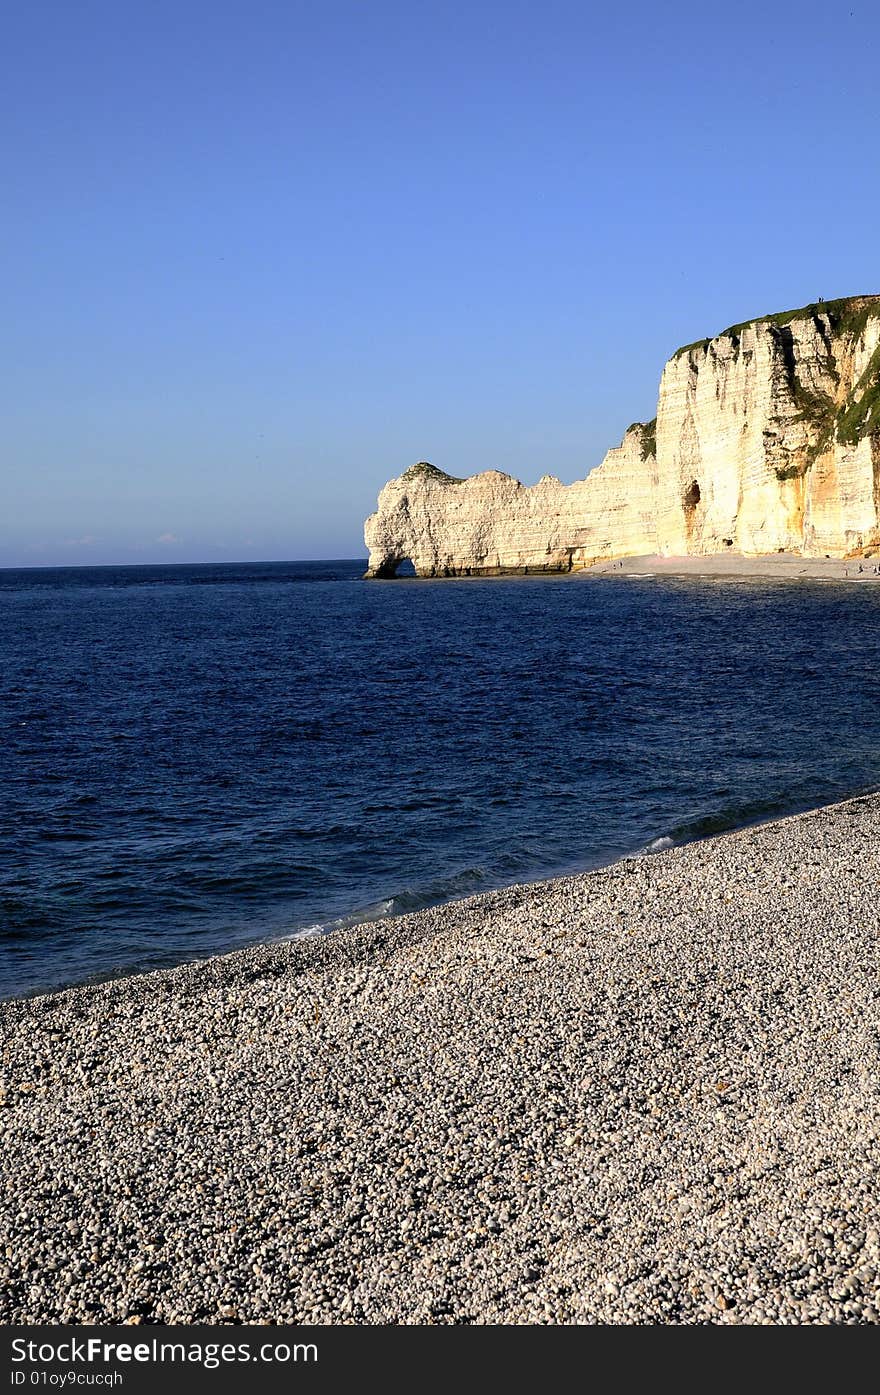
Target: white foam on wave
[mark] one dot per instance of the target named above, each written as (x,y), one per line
(378,910)
(658,845)
(404,903)
(301,934)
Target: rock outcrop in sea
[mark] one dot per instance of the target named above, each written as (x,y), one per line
(766,439)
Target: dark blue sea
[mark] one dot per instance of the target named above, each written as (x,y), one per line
(194,758)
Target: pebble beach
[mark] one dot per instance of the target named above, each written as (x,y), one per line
(717,566)
(647,1094)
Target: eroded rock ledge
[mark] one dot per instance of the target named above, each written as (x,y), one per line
(766,439)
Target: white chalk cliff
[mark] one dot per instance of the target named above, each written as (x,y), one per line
(767,439)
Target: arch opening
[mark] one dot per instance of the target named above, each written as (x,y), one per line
(391,566)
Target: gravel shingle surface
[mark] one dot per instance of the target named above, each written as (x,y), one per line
(647,1094)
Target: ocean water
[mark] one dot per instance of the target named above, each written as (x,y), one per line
(194,758)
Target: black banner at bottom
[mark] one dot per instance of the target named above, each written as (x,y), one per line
(195,1359)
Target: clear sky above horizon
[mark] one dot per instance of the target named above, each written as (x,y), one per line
(259,258)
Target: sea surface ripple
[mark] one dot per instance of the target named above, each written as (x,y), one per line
(196,757)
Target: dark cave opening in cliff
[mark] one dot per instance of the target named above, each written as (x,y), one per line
(405,567)
(692,497)
(689,502)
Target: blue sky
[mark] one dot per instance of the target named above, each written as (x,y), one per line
(258,258)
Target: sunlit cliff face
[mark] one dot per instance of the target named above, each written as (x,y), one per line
(767,439)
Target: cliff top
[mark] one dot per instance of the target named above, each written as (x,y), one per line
(424,467)
(648,436)
(847,316)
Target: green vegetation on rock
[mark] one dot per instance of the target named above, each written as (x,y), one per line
(860,416)
(649,439)
(855,419)
(701,344)
(847,317)
(647,435)
(424,468)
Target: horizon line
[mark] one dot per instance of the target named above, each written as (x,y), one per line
(244,562)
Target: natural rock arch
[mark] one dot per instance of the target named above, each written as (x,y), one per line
(393,567)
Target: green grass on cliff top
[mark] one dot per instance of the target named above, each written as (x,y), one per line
(648,434)
(424,467)
(847,316)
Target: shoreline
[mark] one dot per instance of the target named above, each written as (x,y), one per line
(715,566)
(353,921)
(639,1094)
(708,567)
